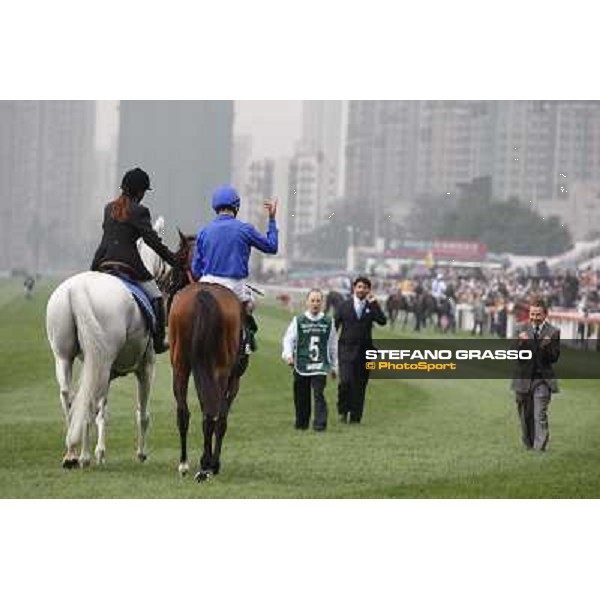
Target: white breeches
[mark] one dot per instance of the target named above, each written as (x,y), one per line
(237,286)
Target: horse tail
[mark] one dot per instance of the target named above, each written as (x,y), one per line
(209,350)
(95,370)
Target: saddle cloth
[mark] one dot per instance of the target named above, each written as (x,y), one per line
(140,297)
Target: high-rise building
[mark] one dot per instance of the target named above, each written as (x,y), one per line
(312,190)
(541,148)
(46,184)
(240,169)
(399,151)
(186,147)
(259,187)
(322,132)
(267,179)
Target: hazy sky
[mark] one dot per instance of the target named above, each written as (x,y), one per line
(275,125)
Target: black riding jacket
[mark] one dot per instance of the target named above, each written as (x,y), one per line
(119,239)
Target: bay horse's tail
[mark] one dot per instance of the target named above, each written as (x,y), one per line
(210,353)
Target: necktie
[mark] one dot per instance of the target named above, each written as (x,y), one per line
(536,332)
(359,310)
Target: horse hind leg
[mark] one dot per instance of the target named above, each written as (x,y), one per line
(206,461)
(220,431)
(64,377)
(101,418)
(144,379)
(85,456)
(229,390)
(181,377)
(93,386)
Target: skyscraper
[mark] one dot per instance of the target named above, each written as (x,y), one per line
(322,132)
(46,183)
(399,151)
(312,189)
(186,147)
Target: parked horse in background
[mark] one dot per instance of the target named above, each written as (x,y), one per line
(424,308)
(205,324)
(396,304)
(94,317)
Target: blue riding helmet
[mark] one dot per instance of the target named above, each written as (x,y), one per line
(225,197)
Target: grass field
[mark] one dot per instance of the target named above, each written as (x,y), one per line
(418,439)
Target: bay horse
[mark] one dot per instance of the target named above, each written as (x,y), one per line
(396,303)
(92,316)
(205,324)
(424,308)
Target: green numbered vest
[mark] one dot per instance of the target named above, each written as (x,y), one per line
(311,345)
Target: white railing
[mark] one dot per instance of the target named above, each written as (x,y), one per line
(567,321)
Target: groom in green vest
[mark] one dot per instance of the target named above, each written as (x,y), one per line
(310,347)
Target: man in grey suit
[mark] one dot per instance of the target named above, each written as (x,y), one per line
(534,380)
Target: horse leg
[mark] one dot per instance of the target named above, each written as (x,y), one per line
(232,388)
(208,429)
(64,376)
(85,457)
(181,377)
(99,407)
(100,451)
(94,385)
(220,431)
(144,380)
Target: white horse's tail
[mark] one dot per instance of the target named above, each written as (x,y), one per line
(95,372)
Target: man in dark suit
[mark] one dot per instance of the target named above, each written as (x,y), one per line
(355,316)
(534,380)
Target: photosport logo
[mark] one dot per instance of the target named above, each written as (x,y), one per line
(478,359)
(396,360)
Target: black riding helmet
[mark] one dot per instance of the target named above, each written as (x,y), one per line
(135,182)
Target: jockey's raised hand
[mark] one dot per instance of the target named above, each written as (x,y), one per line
(271,207)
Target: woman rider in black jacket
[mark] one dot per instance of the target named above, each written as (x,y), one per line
(125,221)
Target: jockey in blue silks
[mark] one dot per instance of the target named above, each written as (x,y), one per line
(223,249)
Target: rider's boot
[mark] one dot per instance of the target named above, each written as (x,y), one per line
(160,345)
(250,329)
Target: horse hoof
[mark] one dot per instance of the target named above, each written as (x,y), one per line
(203,476)
(183,469)
(142,457)
(84,462)
(70,463)
(100,458)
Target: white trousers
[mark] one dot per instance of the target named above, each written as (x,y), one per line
(237,286)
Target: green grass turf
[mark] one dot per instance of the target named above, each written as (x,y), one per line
(418,439)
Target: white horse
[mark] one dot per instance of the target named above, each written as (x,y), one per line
(93,316)
(152,261)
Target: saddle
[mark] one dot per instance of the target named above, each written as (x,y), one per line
(126,275)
